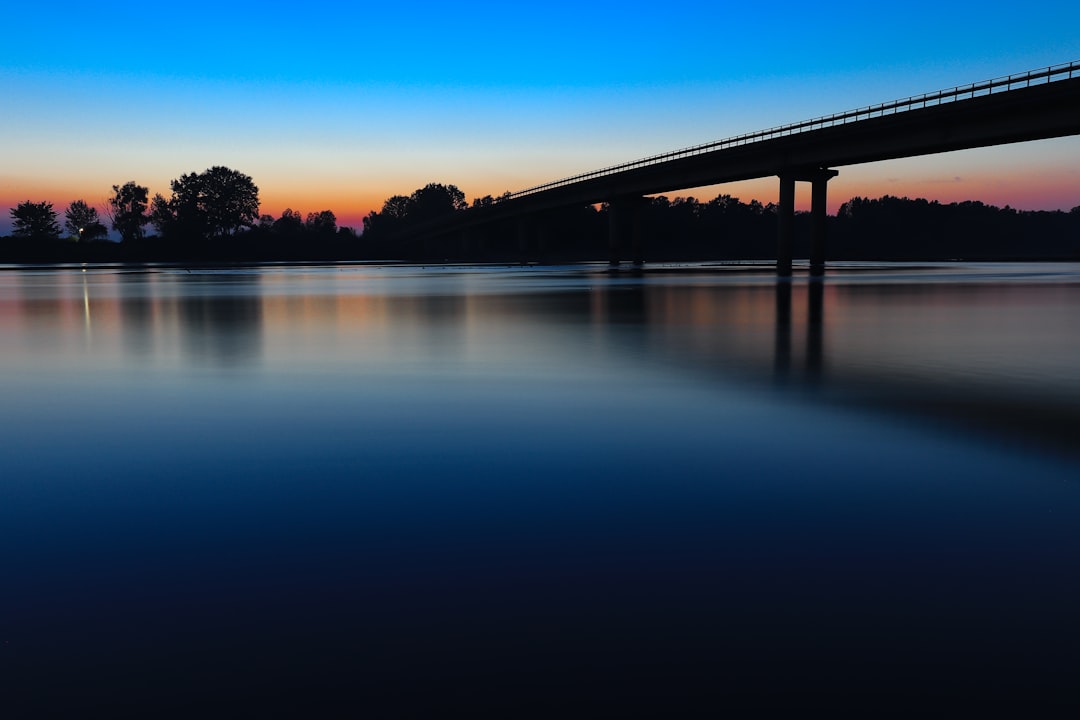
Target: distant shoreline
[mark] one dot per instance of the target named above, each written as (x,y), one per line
(684,229)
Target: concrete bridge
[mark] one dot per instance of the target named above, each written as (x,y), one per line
(1028,106)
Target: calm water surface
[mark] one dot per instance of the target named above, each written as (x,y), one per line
(537,491)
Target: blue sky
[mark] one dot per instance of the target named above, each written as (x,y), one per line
(335,105)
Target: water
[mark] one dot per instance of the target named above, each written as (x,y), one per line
(404,491)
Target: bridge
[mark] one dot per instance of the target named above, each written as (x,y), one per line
(1033,105)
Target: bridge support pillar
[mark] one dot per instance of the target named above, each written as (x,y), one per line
(524,233)
(785,222)
(819,213)
(626,228)
(819,179)
(637,235)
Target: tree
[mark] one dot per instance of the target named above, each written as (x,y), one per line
(214,203)
(394,213)
(161,215)
(290,222)
(434,200)
(82,221)
(230,200)
(430,202)
(35,220)
(488,200)
(323,223)
(127,210)
(396,207)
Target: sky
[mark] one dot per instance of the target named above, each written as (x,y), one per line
(338,106)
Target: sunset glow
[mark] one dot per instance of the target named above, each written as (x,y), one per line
(492,100)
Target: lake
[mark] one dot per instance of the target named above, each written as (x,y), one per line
(395,491)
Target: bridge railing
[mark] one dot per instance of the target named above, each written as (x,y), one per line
(956,94)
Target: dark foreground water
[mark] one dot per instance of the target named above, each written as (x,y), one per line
(393,492)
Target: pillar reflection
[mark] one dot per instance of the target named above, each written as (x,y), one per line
(782,349)
(815,324)
(815,321)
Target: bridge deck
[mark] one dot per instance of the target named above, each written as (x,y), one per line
(1031,106)
(1033,113)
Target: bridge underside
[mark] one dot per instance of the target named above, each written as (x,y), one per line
(625,223)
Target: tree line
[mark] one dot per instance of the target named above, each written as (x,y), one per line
(214,215)
(214,203)
(726,228)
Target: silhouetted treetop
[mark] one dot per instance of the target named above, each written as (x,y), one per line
(434,199)
(291,222)
(34,220)
(127,210)
(397,207)
(212,204)
(82,221)
(488,200)
(324,222)
(430,202)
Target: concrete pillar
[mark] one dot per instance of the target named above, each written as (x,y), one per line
(614,224)
(819,179)
(637,232)
(542,233)
(819,219)
(624,229)
(785,221)
(523,229)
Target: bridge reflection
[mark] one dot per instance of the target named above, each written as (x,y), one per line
(956,357)
(815,320)
(974,357)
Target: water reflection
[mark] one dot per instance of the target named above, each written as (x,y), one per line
(815,326)
(982,355)
(374,487)
(141,319)
(979,359)
(782,352)
(221,329)
(815,329)
(86,307)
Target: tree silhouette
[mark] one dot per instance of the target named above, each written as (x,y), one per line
(395,211)
(212,204)
(35,220)
(434,200)
(488,200)
(290,223)
(396,207)
(162,216)
(82,221)
(127,210)
(324,222)
(430,202)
